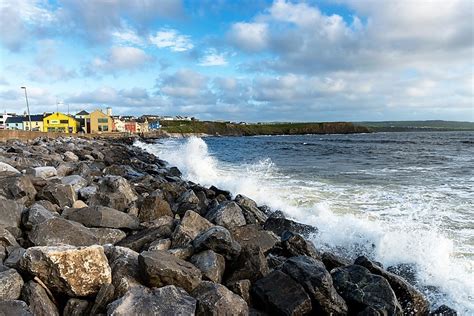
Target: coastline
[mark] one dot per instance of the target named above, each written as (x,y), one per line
(202,245)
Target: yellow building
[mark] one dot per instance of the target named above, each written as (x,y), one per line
(59,122)
(36,123)
(100,122)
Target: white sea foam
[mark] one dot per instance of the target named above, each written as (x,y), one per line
(390,236)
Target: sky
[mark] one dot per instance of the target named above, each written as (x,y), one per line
(248,60)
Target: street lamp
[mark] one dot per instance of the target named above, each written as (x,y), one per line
(27,107)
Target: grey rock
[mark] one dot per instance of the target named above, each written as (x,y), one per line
(227,214)
(161,268)
(278,225)
(160,244)
(11,283)
(145,237)
(115,192)
(101,216)
(77,182)
(279,294)
(187,201)
(86,193)
(164,301)
(60,194)
(255,236)
(182,252)
(17,187)
(317,282)
(216,299)
(4,167)
(14,307)
(191,225)
(7,240)
(365,292)
(411,300)
(251,264)
(444,310)
(332,261)
(70,156)
(241,288)
(154,207)
(76,307)
(14,257)
(75,271)
(218,239)
(10,213)
(295,245)
(36,214)
(38,300)
(43,172)
(252,214)
(103,298)
(211,264)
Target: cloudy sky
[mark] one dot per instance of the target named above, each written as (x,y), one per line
(251,60)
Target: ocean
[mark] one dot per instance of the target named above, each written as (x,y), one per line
(403,199)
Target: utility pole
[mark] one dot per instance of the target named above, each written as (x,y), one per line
(27,107)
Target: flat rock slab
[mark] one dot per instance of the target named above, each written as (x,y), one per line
(101,216)
(164,301)
(161,268)
(75,271)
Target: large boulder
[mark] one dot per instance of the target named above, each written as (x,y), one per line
(317,282)
(332,261)
(4,167)
(211,264)
(74,271)
(145,237)
(76,181)
(187,201)
(154,207)
(161,268)
(411,300)
(279,294)
(60,194)
(59,231)
(43,172)
(115,192)
(218,239)
(365,292)
(38,300)
(10,213)
(191,225)
(295,245)
(255,236)
(164,301)
(216,299)
(279,225)
(101,216)
(226,214)
(36,214)
(17,187)
(14,307)
(251,264)
(11,283)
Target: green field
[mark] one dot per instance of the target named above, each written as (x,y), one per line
(407,126)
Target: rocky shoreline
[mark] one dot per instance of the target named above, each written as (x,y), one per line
(92,227)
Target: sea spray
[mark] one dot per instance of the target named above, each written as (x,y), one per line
(441,276)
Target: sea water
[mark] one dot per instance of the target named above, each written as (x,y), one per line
(400,198)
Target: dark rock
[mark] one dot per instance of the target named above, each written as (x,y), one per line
(164,301)
(38,300)
(406,271)
(225,193)
(14,257)
(218,239)
(174,171)
(103,298)
(365,292)
(275,261)
(17,187)
(49,206)
(317,282)
(115,192)
(192,224)
(279,225)
(444,310)
(14,307)
(227,214)
(7,240)
(60,194)
(251,264)
(101,216)
(211,264)
(187,201)
(332,261)
(160,244)
(216,299)
(295,245)
(145,237)
(252,214)
(107,235)
(279,294)
(154,207)
(241,288)
(36,214)
(76,307)
(161,268)
(11,283)
(255,236)
(411,300)
(183,253)
(75,271)
(10,213)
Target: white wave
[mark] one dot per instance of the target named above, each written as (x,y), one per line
(398,238)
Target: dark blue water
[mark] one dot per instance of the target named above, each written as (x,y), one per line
(399,197)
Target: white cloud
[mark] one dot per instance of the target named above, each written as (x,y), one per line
(120,58)
(184,83)
(127,36)
(249,36)
(170,38)
(212,58)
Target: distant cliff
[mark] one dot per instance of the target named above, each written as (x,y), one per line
(232,129)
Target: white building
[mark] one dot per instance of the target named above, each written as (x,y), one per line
(3,119)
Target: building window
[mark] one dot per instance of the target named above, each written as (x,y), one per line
(64,121)
(103,128)
(103,120)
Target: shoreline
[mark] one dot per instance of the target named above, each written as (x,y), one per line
(132,215)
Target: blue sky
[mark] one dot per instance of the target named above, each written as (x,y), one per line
(257,60)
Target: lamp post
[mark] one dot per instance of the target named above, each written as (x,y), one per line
(27,107)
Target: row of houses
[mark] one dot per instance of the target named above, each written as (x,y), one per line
(83,122)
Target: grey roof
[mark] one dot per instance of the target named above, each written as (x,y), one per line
(34,118)
(83,113)
(14,119)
